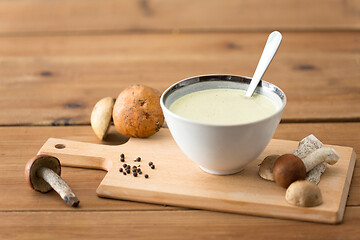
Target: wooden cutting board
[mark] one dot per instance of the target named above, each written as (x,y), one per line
(178,181)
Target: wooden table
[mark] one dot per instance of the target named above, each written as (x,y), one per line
(57,58)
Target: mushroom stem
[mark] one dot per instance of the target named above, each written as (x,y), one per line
(59,185)
(328,155)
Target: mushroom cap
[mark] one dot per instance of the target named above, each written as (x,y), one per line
(287,169)
(34,164)
(101,116)
(303,194)
(137,111)
(266,167)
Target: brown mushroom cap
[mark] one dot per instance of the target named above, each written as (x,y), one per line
(287,169)
(303,194)
(137,112)
(36,163)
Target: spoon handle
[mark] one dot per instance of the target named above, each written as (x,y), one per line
(270,49)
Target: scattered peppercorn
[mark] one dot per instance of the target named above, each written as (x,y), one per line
(124,165)
(124,173)
(152,166)
(150,163)
(122,155)
(146,176)
(128,171)
(138,170)
(122,160)
(135,174)
(120,169)
(138,159)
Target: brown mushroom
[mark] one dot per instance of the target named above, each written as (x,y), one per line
(101,116)
(266,167)
(137,112)
(287,169)
(42,172)
(303,194)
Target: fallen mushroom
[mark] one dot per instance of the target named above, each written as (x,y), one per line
(315,174)
(101,116)
(303,194)
(306,147)
(328,155)
(288,168)
(137,112)
(42,172)
(266,167)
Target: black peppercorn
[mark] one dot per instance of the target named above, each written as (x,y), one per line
(124,173)
(150,163)
(124,165)
(122,155)
(120,169)
(128,171)
(138,170)
(135,174)
(146,176)
(152,166)
(122,160)
(138,159)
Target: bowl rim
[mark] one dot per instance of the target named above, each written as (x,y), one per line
(220,77)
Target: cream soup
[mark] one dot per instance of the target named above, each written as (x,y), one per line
(223,106)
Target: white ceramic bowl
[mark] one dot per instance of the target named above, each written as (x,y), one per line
(221,149)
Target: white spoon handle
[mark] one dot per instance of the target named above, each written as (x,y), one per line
(270,49)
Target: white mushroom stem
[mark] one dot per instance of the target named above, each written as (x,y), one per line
(59,185)
(328,155)
(307,146)
(314,174)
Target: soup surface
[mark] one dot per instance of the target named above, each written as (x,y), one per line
(223,106)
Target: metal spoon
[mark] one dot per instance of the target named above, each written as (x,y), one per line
(270,49)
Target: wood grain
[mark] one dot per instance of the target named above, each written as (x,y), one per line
(178,181)
(19,144)
(168,225)
(56,80)
(41,16)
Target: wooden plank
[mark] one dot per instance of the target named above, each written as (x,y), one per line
(41,16)
(57,80)
(18,144)
(168,225)
(178,181)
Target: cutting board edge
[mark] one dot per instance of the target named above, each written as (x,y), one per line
(320,216)
(346,188)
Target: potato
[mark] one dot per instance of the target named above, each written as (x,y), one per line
(137,112)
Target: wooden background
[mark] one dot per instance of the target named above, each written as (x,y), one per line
(57,58)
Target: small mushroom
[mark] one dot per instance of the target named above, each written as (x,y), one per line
(313,155)
(303,194)
(42,172)
(101,116)
(287,169)
(266,167)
